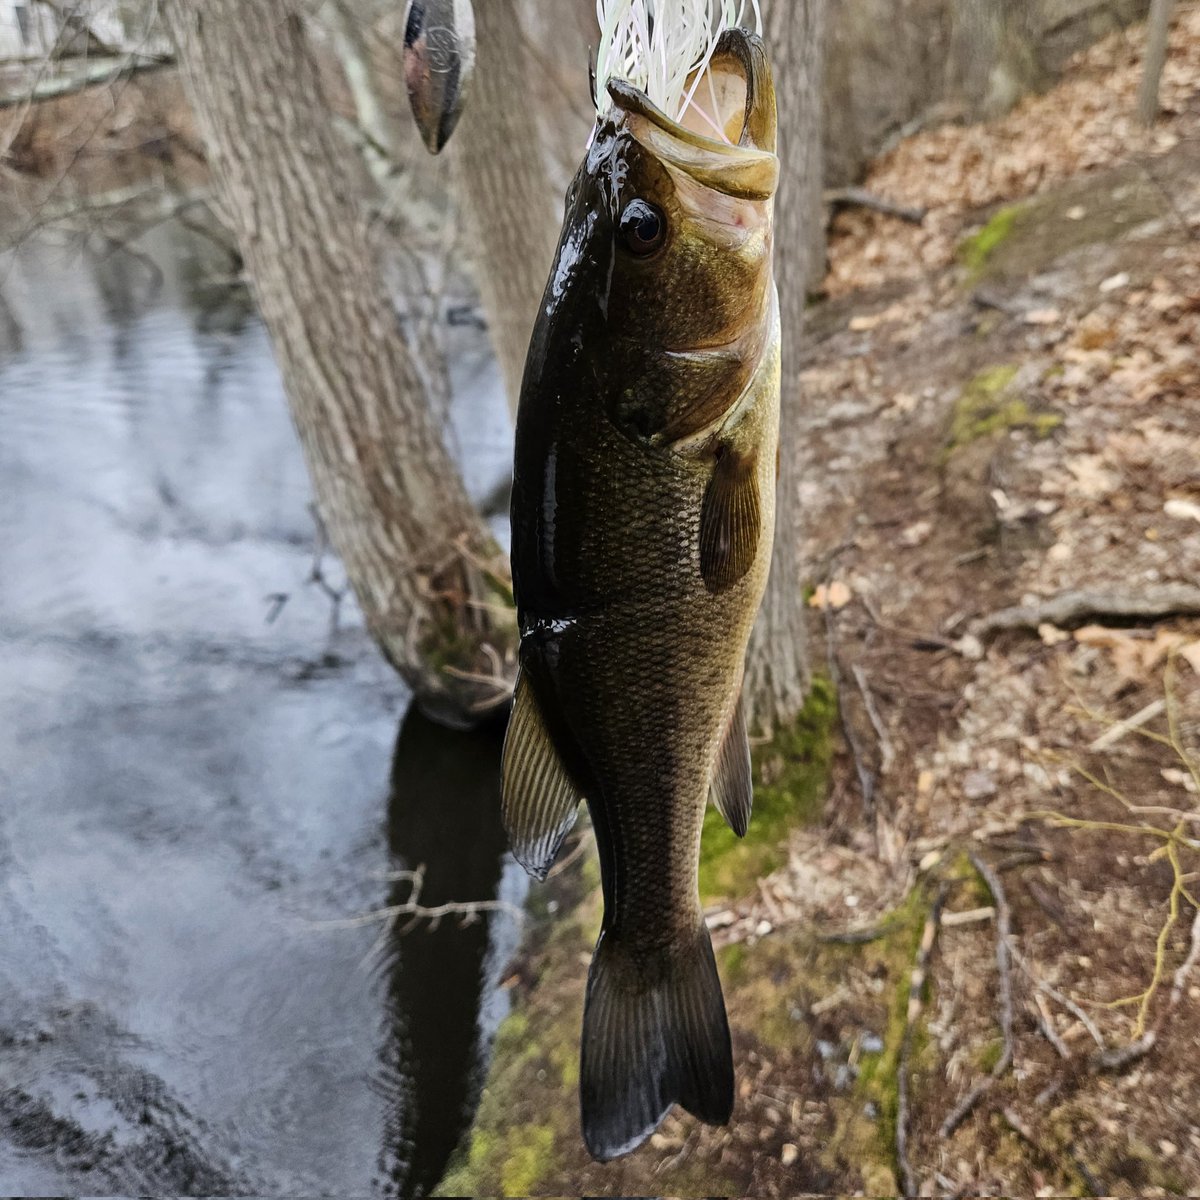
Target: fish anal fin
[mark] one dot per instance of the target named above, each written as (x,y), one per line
(733,781)
(539,801)
(655,1034)
(730,520)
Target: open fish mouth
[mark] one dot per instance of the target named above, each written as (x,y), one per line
(726,137)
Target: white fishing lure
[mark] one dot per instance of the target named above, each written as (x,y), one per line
(664,47)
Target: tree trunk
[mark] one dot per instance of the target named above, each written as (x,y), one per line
(389,495)
(777,674)
(1158,31)
(992,59)
(510,210)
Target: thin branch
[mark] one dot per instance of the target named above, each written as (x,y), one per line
(916,1003)
(1122,729)
(1004,967)
(1058,997)
(856,197)
(98,73)
(467,911)
(1188,966)
(887,753)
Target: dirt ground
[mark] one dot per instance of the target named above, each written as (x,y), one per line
(976,971)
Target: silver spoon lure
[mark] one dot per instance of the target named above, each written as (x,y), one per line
(439,61)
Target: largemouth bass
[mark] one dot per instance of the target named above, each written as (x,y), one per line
(643,515)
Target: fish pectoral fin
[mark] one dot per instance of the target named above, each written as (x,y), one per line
(730,520)
(655,1034)
(539,802)
(733,781)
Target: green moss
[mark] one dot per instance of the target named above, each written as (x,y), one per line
(990,1056)
(872,1143)
(529,1151)
(976,251)
(794,773)
(990,404)
(732,961)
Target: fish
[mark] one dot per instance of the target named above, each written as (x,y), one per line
(642,523)
(439,63)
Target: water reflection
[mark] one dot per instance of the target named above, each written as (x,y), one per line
(187,787)
(444,817)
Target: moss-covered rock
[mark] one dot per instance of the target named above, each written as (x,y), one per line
(991,404)
(976,251)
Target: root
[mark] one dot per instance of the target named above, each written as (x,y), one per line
(1076,608)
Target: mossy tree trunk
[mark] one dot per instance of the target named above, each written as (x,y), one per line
(777,671)
(390,497)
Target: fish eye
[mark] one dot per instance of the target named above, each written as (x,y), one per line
(643,227)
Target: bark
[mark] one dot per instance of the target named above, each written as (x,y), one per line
(390,497)
(510,208)
(777,672)
(1158,30)
(373,118)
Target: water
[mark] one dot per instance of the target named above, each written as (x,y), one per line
(200,768)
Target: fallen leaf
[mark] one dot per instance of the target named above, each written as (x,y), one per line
(1184,510)
(1092,478)
(1138,658)
(836,595)
(1043,316)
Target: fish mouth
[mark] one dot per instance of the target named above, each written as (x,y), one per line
(743,164)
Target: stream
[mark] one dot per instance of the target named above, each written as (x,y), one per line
(206,770)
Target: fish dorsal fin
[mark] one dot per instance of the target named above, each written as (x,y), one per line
(733,781)
(730,520)
(539,802)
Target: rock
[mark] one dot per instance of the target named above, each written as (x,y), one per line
(789,1154)
(979,785)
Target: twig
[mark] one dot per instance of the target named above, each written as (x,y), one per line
(956,920)
(856,937)
(1120,1057)
(916,1003)
(1074,608)
(856,197)
(1122,729)
(1058,997)
(468,911)
(97,73)
(1188,966)
(1004,967)
(576,853)
(887,753)
(866,778)
(1045,1022)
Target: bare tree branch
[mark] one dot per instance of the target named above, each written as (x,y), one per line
(98,71)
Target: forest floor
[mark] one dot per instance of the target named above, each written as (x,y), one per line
(966,961)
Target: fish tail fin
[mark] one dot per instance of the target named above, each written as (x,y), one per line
(654,1034)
